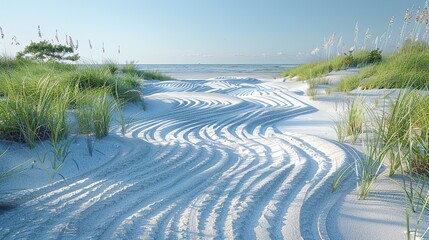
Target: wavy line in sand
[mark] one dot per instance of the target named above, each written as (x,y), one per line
(212,166)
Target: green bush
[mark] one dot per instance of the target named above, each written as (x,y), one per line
(374,56)
(46,51)
(348,60)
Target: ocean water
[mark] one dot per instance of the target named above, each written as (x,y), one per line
(204,71)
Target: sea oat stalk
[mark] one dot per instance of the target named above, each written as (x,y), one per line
(56,36)
(39,31)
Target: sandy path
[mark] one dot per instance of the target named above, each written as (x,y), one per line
(208,164)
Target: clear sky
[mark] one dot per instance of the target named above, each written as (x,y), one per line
(198,31)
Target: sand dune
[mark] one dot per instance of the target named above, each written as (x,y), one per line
(205,161)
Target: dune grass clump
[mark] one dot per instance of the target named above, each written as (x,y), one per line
(404,68)
(322,68)
(350,123)
(355,118)
(35,97)
(312,93)
(407,133)
(146,74)
(29,110)
(316,69)
(397,135)
(91,77)
(7,63)
(153,75)
(94,112)
(122,86)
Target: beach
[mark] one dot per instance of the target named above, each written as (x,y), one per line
(215,157)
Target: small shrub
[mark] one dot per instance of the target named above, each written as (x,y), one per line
(46,51)
(374,56)
(348,60)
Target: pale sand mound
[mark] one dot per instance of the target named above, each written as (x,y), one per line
(220,158)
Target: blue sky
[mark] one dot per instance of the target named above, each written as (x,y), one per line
(199,31)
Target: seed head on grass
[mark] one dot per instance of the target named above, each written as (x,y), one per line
(39,31)
(71,44)
(356,39)
(14,41)
(56,36)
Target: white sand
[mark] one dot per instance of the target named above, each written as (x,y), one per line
(230,158)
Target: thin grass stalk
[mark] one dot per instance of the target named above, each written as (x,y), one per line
(59,128)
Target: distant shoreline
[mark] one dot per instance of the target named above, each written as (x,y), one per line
(207,71)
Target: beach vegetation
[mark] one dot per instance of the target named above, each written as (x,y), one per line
(153,75)
(397,136)
(36,96)
(350,123)
(14,170)
(312,93)
(395,133)
(94,112)
(329,90)
(7,63)
(46,51)
(123,86)
(405,68)
(145,74)
(37,99)
(322,68)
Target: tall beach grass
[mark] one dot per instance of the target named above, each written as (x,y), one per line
(36,98)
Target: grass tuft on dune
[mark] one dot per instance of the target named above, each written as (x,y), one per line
(34,98)
(321,68)
(404,68)
(146,74)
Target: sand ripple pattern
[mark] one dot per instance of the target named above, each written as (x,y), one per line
(210,167)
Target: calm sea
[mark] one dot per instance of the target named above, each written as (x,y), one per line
(203,71)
